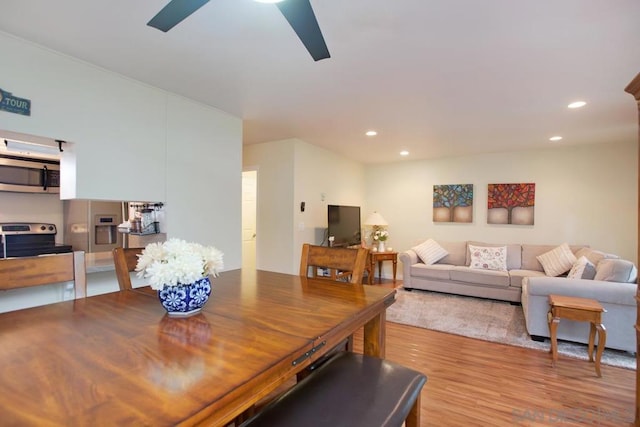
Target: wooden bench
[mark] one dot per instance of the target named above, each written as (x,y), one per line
(349,390)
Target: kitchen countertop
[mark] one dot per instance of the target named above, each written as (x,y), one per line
(99,261)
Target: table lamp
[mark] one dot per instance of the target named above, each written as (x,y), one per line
(377,222)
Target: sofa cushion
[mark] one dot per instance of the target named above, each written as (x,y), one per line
(482,277)
(488,258)
(530,253)
(430,251)
(433,271)
(616,270)
(457,253)
(517,276)
(592,255)
(557,261)
(582,269)
(514,259)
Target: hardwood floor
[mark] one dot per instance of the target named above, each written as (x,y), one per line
(477,383)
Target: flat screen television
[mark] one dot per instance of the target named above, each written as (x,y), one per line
(344,225)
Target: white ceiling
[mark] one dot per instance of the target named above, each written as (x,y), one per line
(435,77)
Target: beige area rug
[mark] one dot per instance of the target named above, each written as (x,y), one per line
(489,320)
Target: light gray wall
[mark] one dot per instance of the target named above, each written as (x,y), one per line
(584,195)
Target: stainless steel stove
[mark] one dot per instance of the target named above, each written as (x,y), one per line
(21,239)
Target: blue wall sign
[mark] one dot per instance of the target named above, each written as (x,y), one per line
(13,104)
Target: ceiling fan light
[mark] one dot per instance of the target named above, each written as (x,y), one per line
(577,104)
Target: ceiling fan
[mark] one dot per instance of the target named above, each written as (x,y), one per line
(298,13)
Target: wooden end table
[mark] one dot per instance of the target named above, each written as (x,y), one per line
(582,310)
(379,257)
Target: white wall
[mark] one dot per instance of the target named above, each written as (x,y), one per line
(116,125)
(584,195)
(31,207)
(132,141)
(289,172)
(320,173)
(274,220)
(204,177)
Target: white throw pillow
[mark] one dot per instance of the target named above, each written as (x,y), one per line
(557,261)
(488,258)
(582,269)
(430,252)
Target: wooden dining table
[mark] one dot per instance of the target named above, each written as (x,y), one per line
(118,359)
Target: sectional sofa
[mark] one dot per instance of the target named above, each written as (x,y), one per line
(528,273)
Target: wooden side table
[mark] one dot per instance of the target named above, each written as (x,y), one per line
(379,257)
(582,310)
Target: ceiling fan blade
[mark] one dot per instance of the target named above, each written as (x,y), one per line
(174,12)
(303,21)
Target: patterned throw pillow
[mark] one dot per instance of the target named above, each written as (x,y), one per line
(430,252)
(557,261)
(488,258)
(582,269)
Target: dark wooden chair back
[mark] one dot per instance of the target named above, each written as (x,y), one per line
(341,262)
(43,270)
(125,260)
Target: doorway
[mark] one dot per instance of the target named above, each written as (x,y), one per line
(249,213)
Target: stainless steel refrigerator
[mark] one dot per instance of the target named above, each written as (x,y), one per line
(92,226)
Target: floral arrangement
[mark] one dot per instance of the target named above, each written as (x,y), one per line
(177,261)
(380,235)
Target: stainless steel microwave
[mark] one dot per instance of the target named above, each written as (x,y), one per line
(29,175)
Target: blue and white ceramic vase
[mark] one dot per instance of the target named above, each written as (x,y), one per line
(184,300)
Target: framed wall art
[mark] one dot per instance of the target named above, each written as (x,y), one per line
(511,203)
(453,203)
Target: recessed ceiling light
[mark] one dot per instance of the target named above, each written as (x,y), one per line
(404,153)
(371,133)
(555,138)
(577,104)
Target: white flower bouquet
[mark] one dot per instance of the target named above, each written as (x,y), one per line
(177,262)
(380,235)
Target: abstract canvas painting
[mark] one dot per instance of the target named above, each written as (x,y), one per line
(453,203)
(511,203)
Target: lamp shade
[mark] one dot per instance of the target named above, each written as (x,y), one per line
(375,219)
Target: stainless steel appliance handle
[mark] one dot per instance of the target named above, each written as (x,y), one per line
(45,178)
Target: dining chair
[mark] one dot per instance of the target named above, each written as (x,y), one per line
(125,261)
(341,263)
(31,271)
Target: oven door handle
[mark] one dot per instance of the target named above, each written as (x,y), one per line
(45,178)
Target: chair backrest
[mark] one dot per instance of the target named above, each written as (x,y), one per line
(43,270)
(125,260)
(341,262)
